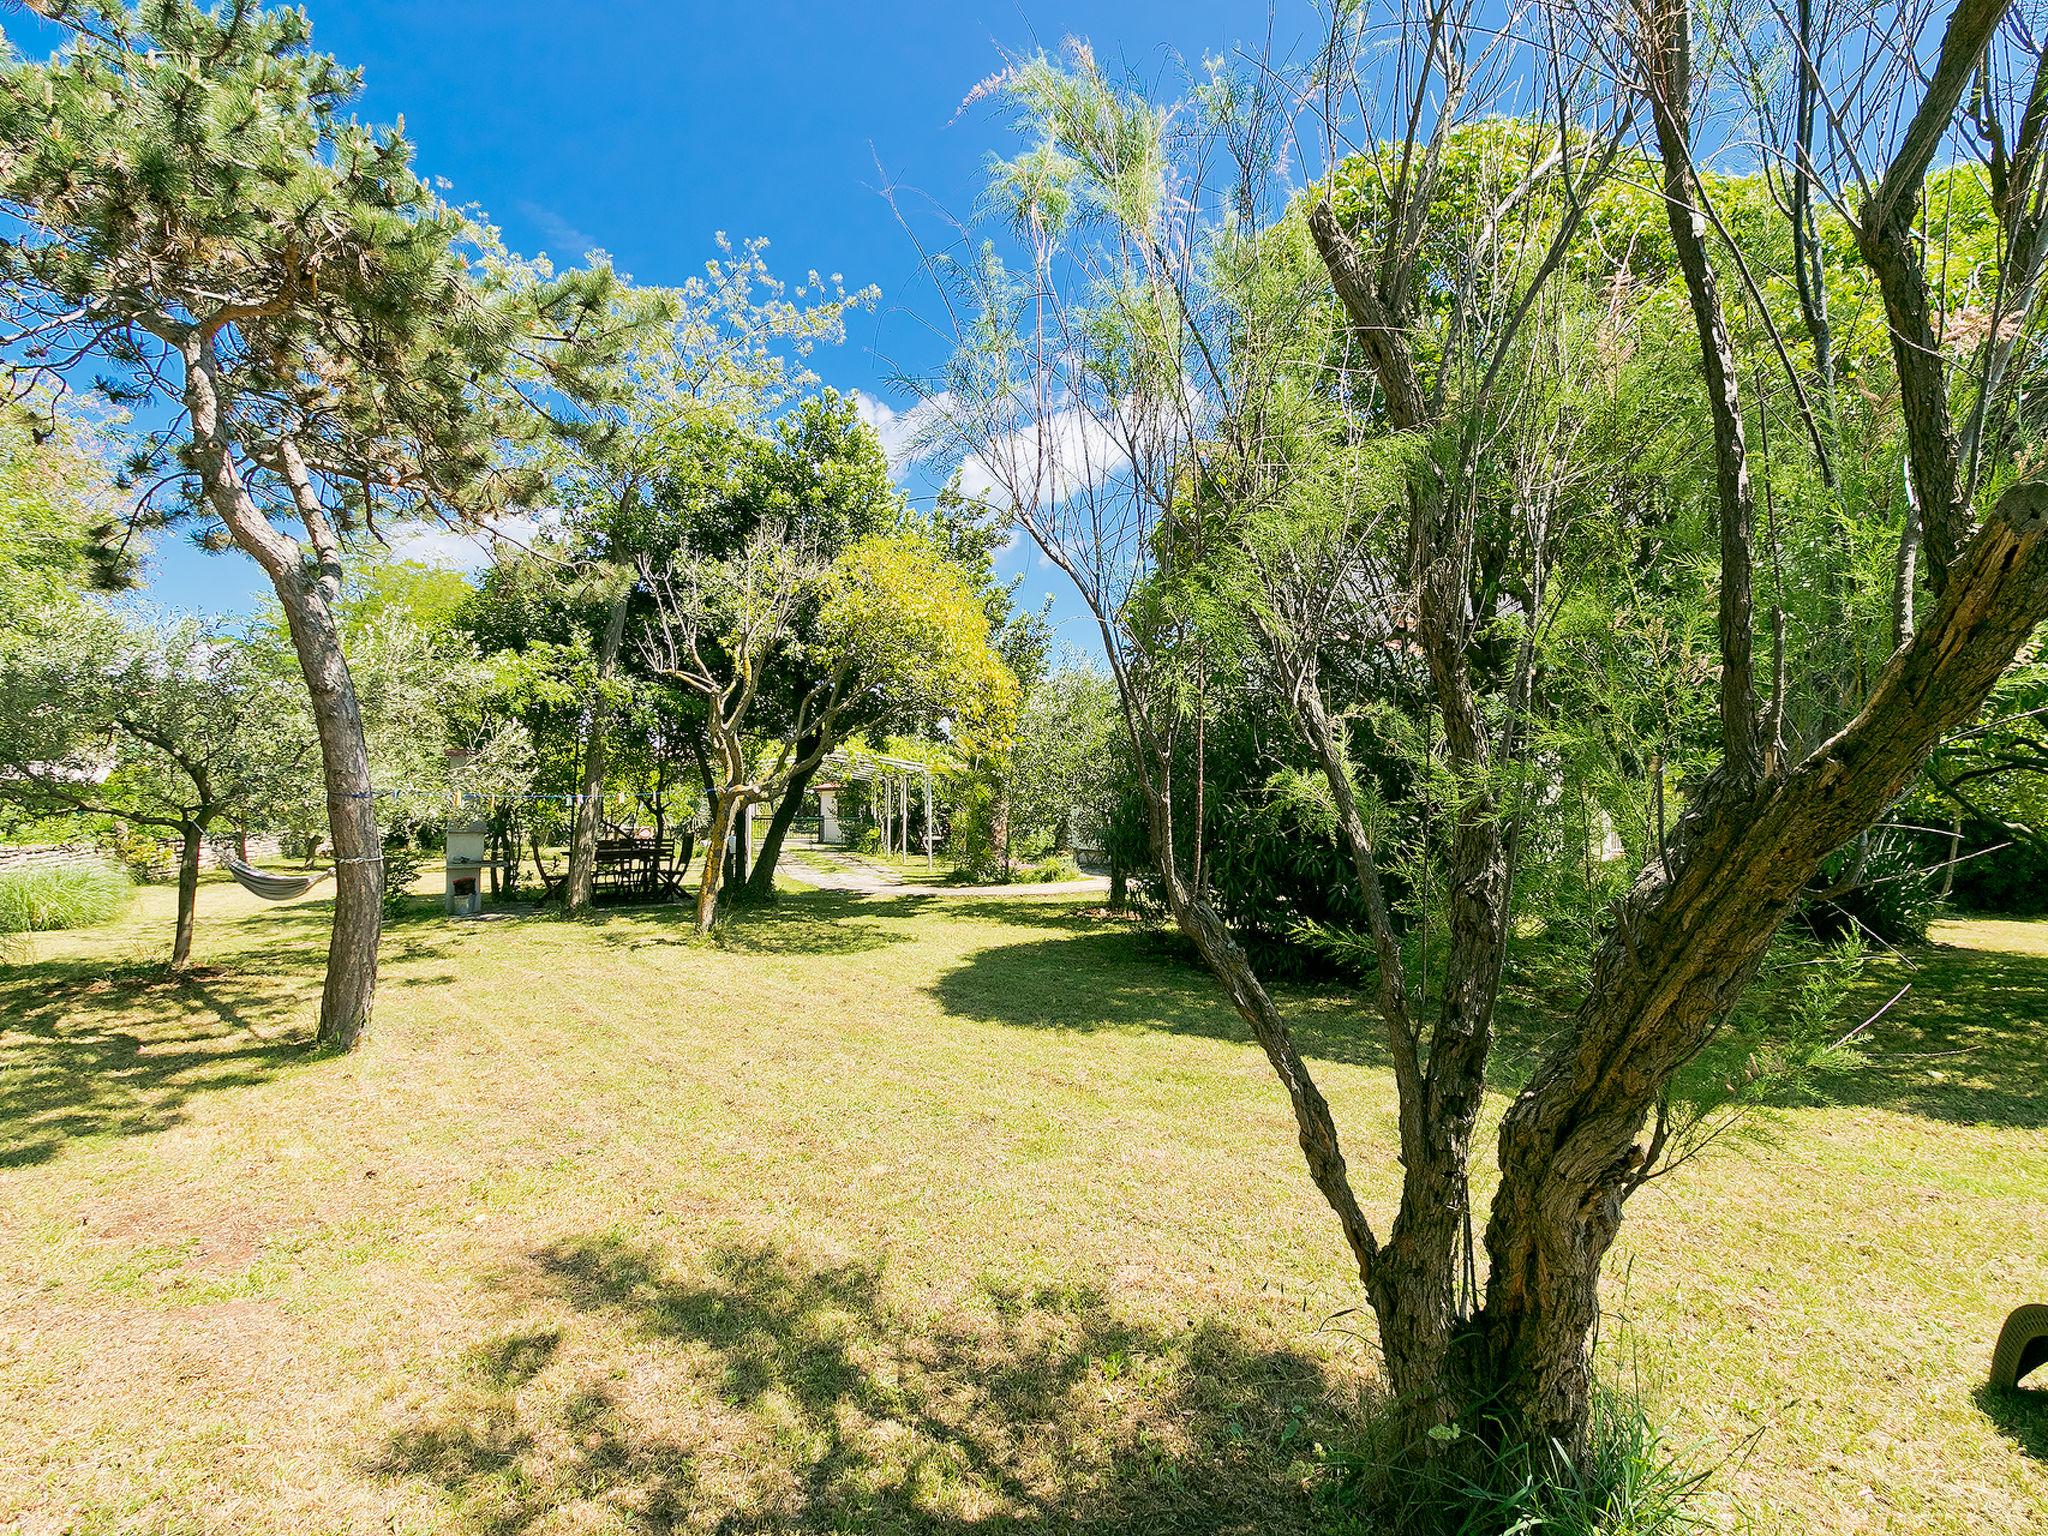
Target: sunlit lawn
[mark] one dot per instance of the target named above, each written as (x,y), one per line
(892,1214)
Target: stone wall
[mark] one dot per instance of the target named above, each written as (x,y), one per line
(161,864)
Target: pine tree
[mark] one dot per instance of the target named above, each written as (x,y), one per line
(207,237)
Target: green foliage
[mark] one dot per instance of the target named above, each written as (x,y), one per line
(58,511)
(402,863)
(1631,1483)
(1053,867)
(1878,887)
(158,723)
(1996,874)
(430,599)
(906,625)
(50,897)
(1068,753)
(1793,1030)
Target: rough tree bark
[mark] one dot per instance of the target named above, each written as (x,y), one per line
(1688,939)
(725,809)
(307,591)
(191,839)
(1682,950)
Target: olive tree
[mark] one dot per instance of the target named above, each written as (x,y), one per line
(164,725)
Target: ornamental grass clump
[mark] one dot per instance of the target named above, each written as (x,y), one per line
(49,898)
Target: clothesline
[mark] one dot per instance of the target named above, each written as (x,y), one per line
(491,795)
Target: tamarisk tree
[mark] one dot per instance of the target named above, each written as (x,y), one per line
(1378,418)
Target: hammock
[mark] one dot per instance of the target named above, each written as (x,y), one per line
(270,887)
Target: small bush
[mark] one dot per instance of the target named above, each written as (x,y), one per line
(869,841)
(1632,1484)
(401,867)
(1057,866)
(46,898)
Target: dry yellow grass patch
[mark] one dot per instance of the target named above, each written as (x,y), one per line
(885,1215)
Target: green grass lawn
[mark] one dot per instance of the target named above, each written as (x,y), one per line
(896,1214)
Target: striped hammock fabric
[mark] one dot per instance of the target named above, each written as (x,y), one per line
(270,887)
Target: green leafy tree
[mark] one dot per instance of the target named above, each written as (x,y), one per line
(711,363)
(1058,774)
(898,628)
(165,726)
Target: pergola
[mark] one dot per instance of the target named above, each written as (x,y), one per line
(893,776)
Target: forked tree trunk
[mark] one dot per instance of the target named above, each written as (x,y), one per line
(1572,1146)
(188,894)
(725,808)
(583,840)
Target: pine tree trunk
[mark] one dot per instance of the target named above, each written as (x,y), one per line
(351,986)
(583,841)
(305,589)
(188,896)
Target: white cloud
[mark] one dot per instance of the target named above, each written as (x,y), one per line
(467,550)
(562,237)
(1046,461)
(901,431)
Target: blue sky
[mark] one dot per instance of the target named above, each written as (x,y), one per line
(645,128)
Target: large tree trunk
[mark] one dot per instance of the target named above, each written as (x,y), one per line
(583,840)
(306,591)
(1681,951)
(725,807)
(761,878)
(351,985)
(188,894)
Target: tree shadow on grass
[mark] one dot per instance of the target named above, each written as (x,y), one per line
(824,923)
(76,1060)
(1967,1045)
(758,1392)
(1091,978)
(2022,1413)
